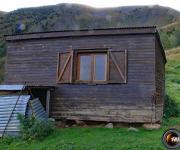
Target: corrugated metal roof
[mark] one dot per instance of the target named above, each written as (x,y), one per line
(24,106)
(36,109)
(11,87)
(6,107)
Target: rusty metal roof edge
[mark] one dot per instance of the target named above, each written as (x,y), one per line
(88,29)
(13,36)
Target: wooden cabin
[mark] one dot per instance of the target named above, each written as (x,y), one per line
(112,75)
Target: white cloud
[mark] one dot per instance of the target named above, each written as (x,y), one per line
(9,5)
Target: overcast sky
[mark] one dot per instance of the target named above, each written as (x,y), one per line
(9,5)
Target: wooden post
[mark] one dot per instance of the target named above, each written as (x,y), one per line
(47,101)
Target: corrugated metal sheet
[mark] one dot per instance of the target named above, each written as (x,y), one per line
(11,87)
(7,104)
(25,106)
(35,108)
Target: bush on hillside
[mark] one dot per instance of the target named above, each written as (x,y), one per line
(177,81)
(171,108)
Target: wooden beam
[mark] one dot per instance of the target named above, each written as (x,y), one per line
(47,101)
(126,67)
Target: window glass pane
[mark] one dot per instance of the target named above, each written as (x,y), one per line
(85,67)
(100,67)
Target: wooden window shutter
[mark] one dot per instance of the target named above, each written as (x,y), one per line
(117,66)
(65,66)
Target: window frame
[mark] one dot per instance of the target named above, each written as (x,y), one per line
(74,60)
(106,66)
(93,54)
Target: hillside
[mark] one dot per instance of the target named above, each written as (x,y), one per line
(73,16)
(2,13)
(173,73)
(170,35)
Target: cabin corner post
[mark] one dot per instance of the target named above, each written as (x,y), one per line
(47,102)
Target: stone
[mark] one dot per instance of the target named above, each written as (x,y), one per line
(74,125)
(121,125)
(60,124)
(151,126)
(109,125)
(85,126)
(80,123)
(133,129)
(66,126)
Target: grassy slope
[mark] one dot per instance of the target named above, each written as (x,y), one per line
(96,139)
(118,138)
(173,73)
(170,26)
(170,35)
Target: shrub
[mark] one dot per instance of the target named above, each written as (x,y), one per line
(32,128)
(6,140)
(177,81)
(177,67)
(171,108)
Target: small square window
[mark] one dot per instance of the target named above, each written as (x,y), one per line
(92,67)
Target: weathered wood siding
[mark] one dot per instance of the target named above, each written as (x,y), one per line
(159,81)
(35,61)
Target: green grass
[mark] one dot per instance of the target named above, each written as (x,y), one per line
(173,74)
(117,138)
(170,35)
(95,139)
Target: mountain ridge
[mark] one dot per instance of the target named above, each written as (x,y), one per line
(74,17)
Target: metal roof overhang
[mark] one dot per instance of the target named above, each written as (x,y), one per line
(11,87)
(22,87)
